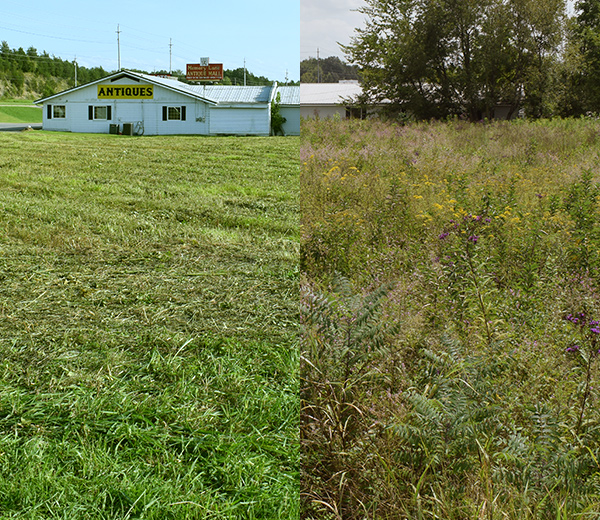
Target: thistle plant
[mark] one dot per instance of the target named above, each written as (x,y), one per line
(585,353)
(462,265)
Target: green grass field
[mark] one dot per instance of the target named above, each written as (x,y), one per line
(19,111)
(148,327)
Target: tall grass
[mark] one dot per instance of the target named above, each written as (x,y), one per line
(474,378)
(148,327)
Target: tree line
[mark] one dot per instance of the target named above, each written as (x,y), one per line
(326,70)
(468,57)
(15,63)
(47,75)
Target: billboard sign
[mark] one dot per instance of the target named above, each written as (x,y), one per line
(199,72)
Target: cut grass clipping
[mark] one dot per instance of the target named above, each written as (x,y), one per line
(148,327)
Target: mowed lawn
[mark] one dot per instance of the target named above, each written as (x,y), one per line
(148,327)
(17,111)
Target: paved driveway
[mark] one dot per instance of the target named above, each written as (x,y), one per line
(17,127)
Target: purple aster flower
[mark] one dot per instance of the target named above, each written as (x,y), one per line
(574,348)
(473,238)
(595,330)
(443,236)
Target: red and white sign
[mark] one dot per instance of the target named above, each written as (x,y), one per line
(198,72)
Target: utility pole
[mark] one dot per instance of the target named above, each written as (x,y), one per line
(75,65)
(318,67)
(170,55)
(286,76)
(244,72)
(119,44)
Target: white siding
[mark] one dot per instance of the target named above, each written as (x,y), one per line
(241,121)
(322,111)
(292,123)
(148,112)
(208,110)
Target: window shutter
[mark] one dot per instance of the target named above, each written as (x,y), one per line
(183,113)
(49,114)
(164,113)
(90,112)
(109,113)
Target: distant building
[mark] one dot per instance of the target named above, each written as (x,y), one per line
(325,100)
(142,104)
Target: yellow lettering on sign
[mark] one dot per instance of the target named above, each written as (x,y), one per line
(125,92)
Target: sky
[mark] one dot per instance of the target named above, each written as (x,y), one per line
(266,33)
(324,23)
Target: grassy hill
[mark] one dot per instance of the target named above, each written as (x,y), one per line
(19,111)
(148,327)
(33,86)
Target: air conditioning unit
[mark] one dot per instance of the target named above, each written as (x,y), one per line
(113,129)
(127,128)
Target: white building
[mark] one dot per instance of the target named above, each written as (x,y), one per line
(289,103)
(131,102)
(325,100)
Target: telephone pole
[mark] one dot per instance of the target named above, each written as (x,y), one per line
(170,55)
(244,72)
(318,67)
(75,65)
(119,44)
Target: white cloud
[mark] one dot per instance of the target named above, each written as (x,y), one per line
(324,23)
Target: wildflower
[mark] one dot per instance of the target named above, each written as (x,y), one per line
(574,348)
(595,330)
(473,238)
(443,236)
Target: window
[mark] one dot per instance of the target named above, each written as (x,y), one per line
(57,112)
(173,113)
(101,113)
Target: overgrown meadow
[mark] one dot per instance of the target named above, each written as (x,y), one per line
(148,327)
(451,317)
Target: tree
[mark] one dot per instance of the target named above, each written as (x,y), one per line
(458,57)
(585,48)
(277,120)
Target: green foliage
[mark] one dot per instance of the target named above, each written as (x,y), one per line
(17,65)
(483,237)
(439,59)
(277,120)
(585,39)
(148,340)
(344,342)
(326,70)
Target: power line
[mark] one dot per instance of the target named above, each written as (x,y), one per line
(55,37)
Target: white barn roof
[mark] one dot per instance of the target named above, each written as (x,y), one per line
(212,94)
(289,95)
(328,93)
